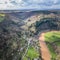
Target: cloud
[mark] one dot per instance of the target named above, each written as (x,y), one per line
(29,4)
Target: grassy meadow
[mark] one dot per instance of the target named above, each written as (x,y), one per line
(52,40)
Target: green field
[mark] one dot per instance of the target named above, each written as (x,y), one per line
(31,54)
(52,38)
(2,17)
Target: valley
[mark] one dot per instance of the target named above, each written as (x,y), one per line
(20,32)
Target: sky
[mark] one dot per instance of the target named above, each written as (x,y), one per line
(29,4)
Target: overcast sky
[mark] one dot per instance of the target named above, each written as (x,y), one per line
(29,4)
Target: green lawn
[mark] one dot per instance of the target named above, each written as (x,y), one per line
(32,53)
(51,37)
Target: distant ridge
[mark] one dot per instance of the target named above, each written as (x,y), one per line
(27,10)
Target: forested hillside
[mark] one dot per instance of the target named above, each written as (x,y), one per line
(18,33)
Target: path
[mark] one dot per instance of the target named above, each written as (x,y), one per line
(45,54)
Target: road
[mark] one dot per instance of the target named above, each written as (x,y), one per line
(45,54)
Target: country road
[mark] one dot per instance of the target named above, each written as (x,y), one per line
(45,54)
